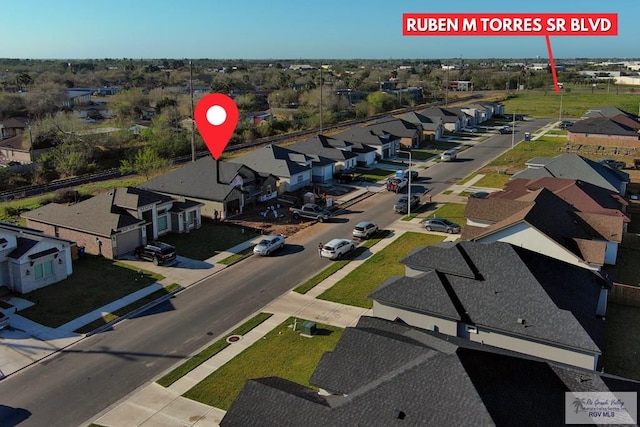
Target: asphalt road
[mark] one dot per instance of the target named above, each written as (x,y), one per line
(73,386)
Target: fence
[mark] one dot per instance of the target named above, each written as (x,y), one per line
(624,295)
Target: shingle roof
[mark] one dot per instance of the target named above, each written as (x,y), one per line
(97,215)
(14,123)
(366,136)
(573,166)
(396,126)
(549,214)
(558,300)
(443,114)
(427,123)
(275,160)
(324,146)
(199,179)
(618,125)
(426,379)
(607,111)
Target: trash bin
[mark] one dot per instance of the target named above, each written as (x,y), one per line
(308,328)
(527,136)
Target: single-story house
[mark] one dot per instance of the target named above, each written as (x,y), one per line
(501,295)
(450,120)
(574,166)
(293,169)
(223,188)
(409,133)
(617,131)
(329,148)
(385,144)
(432,128)
(114,223)
(30,259)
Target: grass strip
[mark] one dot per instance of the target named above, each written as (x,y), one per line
(210,351)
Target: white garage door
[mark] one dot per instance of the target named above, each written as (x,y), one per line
(127,242)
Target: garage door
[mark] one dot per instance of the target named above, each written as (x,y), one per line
(126,242)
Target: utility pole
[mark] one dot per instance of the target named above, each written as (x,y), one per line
(321,97)
(560,108)
(193,122)
(408,184)
(513,130)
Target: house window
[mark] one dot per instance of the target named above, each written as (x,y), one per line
(191,217)
(43,270)
(163,223)
(268,190)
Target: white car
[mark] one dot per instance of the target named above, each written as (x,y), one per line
(268,245)
(448,156)
(469,129)
(364,230)
(337,248)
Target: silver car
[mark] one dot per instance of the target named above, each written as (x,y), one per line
(441,224)
(364,230)
(268,245)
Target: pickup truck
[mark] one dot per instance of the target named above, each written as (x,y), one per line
(311,211)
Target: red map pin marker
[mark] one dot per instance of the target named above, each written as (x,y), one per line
(216,116)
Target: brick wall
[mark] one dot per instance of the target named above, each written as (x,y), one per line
(604,140)
(625,295)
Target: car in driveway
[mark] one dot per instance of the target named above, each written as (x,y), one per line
(269,245)
(156,252)
(506,129)
(402,204)
(448,155)
(469,129)
(479,195)
(337,248)
(364,230)
(440,224)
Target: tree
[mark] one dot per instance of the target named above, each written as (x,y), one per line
(381,102)
(145,162)
(11,105)
(45,99)
(23,80)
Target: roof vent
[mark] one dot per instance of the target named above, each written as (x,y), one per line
(399,414)
(521,321)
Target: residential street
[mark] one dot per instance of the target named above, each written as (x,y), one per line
(97,372)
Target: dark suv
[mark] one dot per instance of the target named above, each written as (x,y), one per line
(158,252)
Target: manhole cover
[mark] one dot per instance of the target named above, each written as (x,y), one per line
(234,338)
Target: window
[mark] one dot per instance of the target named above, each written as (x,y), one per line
(162,223)
(191,217)
(44,270)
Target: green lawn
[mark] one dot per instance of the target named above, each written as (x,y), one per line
(453,212)
(574,104)
(375,174)
(355,287)
(85,290)
(337,265)
(209,240)
(211,351)
(281,353)
(621,355)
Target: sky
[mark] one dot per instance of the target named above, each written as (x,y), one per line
(288,29)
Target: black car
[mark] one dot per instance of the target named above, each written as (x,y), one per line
(414,175)
(157,252)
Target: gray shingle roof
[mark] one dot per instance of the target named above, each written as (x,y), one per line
(366,136)
(558,300)
(396,126)
(573,166)
(199,179)
(324,146)
(617,125)
(427,123)
(425,379)
(275,160)
(607,111)
(97,215)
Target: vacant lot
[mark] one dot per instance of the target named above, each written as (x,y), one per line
(574,104)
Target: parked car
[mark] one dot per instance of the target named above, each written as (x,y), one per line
(505,129)
(479,195)
(414,175)
(402,205)
(365,229)
(469,129)
(396,184)
(565,124)
(448,156)
(311,211)
(157,252)
(269,245)
(337,248)
(4,320)
(441,224)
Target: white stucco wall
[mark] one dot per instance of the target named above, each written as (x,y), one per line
(419,320)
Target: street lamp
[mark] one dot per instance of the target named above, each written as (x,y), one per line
(513,130)
(409,184)
(560,108)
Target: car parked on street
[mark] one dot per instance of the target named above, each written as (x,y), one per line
(414,175)
(396,184)
(156,252)
(365,229)
(613,164)
(506,129)
(268,245)
(441,224)
(337,248)
(449,155)
(402,205)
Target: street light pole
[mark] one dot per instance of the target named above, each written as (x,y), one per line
(193,122)
(513,130)
(560,108)
(409,184)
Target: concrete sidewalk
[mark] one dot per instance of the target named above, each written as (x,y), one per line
(154,405)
